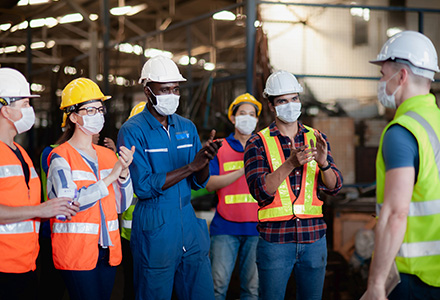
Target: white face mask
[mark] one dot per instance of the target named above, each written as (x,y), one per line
(385,99)
(26,121)
(288,112)
(245,124)
(165,104)
(92,124)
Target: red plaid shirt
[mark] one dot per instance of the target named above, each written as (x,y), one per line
(256,168)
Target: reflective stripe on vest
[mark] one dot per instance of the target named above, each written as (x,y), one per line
(83,175)
(20,227)
(284,195)
(241,198)
(126,219)
(126,224)
(419,253)
(33,173)
(433,139)
(11,170)
(85,228)
(419,249)
(238,198)
(15,170)
(233,165)
(309,185)
(113,225)
(419,209)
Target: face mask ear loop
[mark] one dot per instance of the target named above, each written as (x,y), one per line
(389,81)
(149,98)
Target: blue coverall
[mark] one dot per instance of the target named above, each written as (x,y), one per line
(170,244)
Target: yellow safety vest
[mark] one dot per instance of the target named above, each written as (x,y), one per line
(419,253)
(127,219)
(286,205)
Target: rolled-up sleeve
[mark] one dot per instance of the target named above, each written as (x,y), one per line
(195,185)
(146,184)
(335,169)
(123,193)
(60,184)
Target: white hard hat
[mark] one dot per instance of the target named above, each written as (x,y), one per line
(160,69)
(413,47)
(13,86)
(281,83)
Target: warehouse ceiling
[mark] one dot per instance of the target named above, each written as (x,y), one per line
(55,41)
(69,36)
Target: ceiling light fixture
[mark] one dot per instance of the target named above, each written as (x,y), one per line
(209,66)
(224,15)
(31,2)
(71,18)
(93,17)
(38,45)
(127,10)
(4,27)
(151,52)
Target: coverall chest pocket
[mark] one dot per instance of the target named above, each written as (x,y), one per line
(184,144)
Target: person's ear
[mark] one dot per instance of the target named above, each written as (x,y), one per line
(5,112)
(233,119)
(403,76)
(74,118)
(271,107)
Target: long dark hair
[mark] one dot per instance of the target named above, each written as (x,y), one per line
(68,132)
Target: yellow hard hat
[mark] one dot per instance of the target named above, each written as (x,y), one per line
(81,90)
(137,109)
(246,98)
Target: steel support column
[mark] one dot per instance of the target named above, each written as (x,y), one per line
(251,17)
(105,48)
(189,67)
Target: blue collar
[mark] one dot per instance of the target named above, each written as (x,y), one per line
(153,122)
(234,143)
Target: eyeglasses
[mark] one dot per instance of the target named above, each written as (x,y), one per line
(91,111)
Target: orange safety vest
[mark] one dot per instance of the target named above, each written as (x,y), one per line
(286,205)
(235,203)
(18,241)
(75,242)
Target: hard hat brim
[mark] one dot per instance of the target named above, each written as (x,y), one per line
(20,96)
(141,80)
(101,98)
(377,61)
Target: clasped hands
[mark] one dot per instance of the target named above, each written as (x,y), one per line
(302,155)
